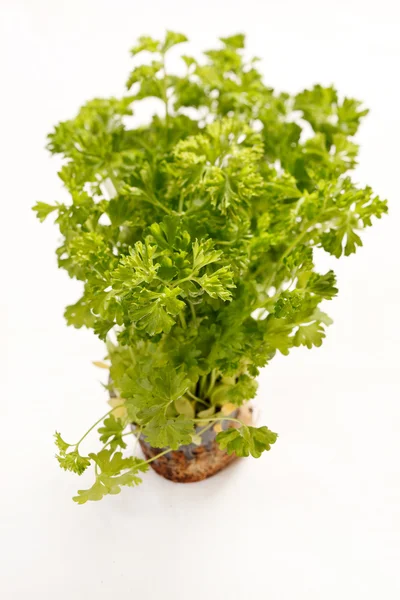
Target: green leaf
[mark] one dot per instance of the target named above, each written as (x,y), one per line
(170,385)
(172,304)
(204,254)
(163,432)
(156,389)
(146,74)
(189,60)
(156,401)
(323,285)
(111,432)
(278,334)
(184,407)
(73,461)
(93,494)
(79,314)
(309,335)
(61,445)
(110,477)
(172,39)
(208,412)
(153,318)
(244,389)
(145,44)
(288,304)
(218,284)
(111,463)
(136,268)
(164,233)
(318,106)
(43,210)
(337,241)
(246,440)
(235,41)
(349,115)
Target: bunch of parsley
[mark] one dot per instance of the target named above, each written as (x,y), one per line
(193,236)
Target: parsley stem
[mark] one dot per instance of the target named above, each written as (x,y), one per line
(212,381)
(214,419)
(225,242)
(181,200)
(193,312)
(179,281)
(202,386)
(182,319)
(189,393)
(158,455)
(200,433)
(157,203)
(137,433)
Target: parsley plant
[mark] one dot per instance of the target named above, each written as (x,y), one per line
(193,236)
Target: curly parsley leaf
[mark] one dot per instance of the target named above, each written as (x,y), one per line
(309,335)
(161,431)
(114,471)
(43,210)
(111,432)
(59,442)
(246,440)
(73,461)
(204,254)
(323,285)
(70,461)
(218,284)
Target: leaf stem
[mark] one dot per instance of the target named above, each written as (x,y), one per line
(203,381)
(193,312)
(182,320)
(212,381)
(205,429)
(137,433)
(213,419)
(157,203)
(189,393)
(158,455)
(181,201)
(179,281)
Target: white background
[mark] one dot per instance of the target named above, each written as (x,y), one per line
(317,518)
